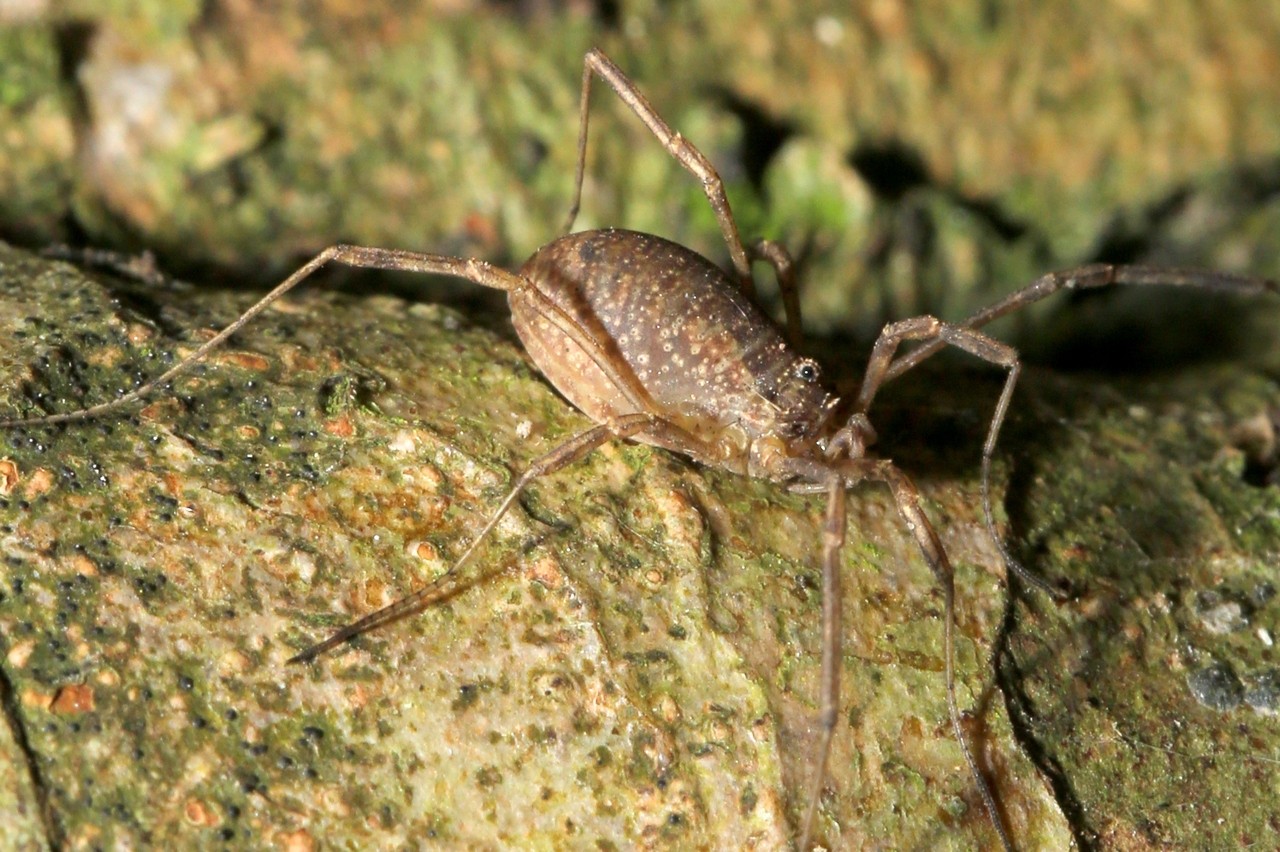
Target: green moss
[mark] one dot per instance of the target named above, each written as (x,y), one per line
(233,523)
(1153,528)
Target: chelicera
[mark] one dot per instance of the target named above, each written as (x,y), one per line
(658,345)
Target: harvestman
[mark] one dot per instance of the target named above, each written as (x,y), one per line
(656,344)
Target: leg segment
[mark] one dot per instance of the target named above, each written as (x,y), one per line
(833,532)
(777,256)
(1093,277)
(840,477)
(476,271)
(937,334)
(907,498)
(684,152)
(453,580)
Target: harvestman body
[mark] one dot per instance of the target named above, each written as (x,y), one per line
(656,344)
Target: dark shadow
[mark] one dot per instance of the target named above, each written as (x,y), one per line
(762,135)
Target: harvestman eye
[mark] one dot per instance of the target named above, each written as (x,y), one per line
(807,371)
(577,305)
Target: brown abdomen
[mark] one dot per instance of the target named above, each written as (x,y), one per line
(679,338)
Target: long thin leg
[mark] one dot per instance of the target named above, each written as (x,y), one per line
(833,533)
(776,255)
(476,271)
(1092,277)
(938,333)
(684,152)
(907,498)
(452,581)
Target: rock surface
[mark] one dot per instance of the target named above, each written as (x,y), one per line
(638,667)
